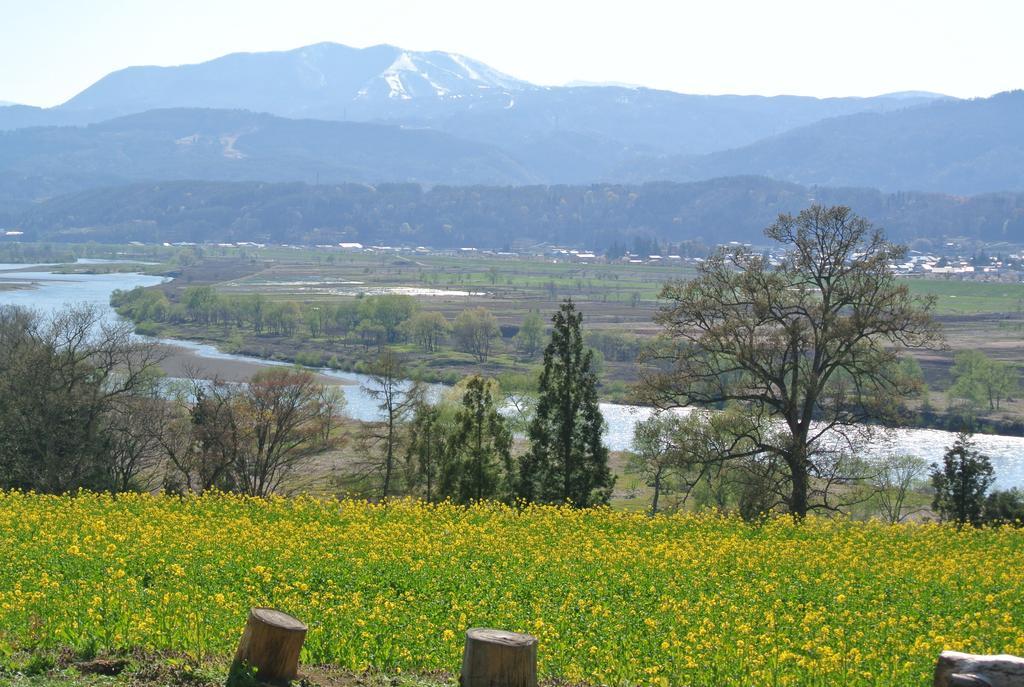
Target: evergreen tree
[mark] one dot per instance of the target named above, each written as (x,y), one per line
(960,484)
(481,446)
(429,449)
(567,461)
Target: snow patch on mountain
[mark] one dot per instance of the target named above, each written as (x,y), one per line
(462,62)
(436,74)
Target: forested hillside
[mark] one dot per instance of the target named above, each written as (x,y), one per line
(494,217)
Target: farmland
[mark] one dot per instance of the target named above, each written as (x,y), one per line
(619,302)
(614,598)
(956,297)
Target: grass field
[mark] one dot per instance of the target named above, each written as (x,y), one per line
(510,287)
(614,598)
(955,297)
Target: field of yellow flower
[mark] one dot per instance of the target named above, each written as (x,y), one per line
(614,598)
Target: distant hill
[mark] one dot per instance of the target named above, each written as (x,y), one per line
(448,92)
(952,146)
(237,145)
(705,212)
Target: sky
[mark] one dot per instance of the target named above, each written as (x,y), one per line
(52,49)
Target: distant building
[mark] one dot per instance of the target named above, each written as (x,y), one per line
(350,246)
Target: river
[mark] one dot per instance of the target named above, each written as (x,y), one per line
(47,291)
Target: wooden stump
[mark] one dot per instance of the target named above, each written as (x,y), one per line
(270,644)
(495,658)
(955,669)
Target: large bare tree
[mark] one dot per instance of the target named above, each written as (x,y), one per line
(262,432)
(807,344)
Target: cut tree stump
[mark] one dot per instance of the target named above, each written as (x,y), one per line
(270,644)
(495,658)
(956,669)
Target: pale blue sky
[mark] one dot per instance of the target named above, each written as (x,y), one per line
(51,49)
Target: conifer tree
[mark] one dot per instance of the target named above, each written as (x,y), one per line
(961,482)
(482,445)
(567,461)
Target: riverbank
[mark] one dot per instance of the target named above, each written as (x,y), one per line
(448,367)
(182,362)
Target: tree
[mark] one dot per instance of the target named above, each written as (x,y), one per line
(980,380)
(68,385)
(654,456)
(428,450)
(567,460)
(960,484)
(895,478)
(200,303)
(708,454)
(812,341)
(133,430)
(253,437)
(197,439)
(530,336)
(1005,507)
(427,329)
(389,311)
(475,330)
(278,422)
(396,399)
(481,446)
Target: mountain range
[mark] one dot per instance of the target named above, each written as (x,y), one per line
(333,114)
(954,146)
(446,91)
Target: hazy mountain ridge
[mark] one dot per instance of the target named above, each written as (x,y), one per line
(962,147)
(449,92)
(494,217)
(953,146)
(238,145)
(444,118)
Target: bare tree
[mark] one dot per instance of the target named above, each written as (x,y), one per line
(895,478)
(264,431)
(282,420)
(396,399)
(810,341)
(135,443)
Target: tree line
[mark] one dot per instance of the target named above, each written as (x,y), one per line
(373,321)
(596,216)
(85,406)
(460,447)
